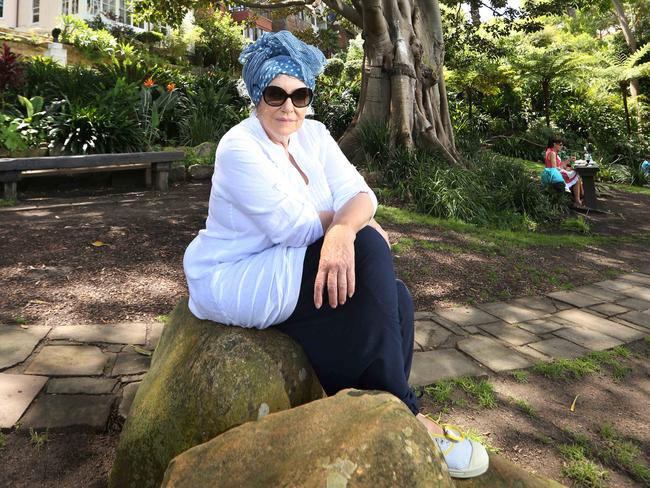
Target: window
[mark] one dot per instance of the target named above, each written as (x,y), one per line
(70,7)
(236,8)
(94,7)
(125,15)
(2,5)
(36,11)
(108,8)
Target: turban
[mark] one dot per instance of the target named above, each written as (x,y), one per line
(278,53)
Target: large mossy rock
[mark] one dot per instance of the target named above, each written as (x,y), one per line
(206,378)
(361,439)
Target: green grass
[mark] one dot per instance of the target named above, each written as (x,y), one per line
(642,190)
(566,369)
(2,440)
(163,318)
(616,451)
(520,376)
(479,390)
(475,435)
(576,224)
(7,203)
(20,320)
(498,241)
(582,471)
(402,245)
(525,407)
(38,440)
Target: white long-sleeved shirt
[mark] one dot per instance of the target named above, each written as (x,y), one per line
(245,267)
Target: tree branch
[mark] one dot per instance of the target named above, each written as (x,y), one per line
(274,5)
(347,11)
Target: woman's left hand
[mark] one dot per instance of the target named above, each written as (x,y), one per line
(336,266)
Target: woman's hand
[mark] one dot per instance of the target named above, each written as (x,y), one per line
(375,225)
(336,266)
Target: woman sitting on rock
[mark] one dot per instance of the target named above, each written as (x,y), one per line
(290,242)
(552,162)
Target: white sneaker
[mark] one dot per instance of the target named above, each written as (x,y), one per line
(465,458)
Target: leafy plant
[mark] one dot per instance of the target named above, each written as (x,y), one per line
(38,440)
(11,73)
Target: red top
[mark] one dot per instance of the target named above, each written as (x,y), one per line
(548,162)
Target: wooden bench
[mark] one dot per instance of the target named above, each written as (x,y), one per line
(156,164)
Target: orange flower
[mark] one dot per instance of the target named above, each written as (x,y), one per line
(171,87)
(149,83)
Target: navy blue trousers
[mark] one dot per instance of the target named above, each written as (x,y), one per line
(367,343)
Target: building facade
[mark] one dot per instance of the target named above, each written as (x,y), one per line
(44,15)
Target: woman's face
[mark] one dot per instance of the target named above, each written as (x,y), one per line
(280,122)
(557,146)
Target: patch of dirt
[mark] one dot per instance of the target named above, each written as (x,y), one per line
(531,442)
(52,274)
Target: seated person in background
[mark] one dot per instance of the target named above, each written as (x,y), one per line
(291,243)
(572,181)
(645,166)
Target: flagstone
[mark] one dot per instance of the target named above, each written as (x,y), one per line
(614,285)
(511,313)
(636,317)
(543,304)
(540,326)
(431,366)
(153,336)
(69,412)
(509,333)
(598,292)
(575,298)
(600,324)
(533,353)
(638,278)
(429,334)
(609,309)
(466,315)
(645,330)
(640,292)
(493,354)
(17,391)
(131,363)
(634,304)
(117,334)
(82,385)
(128,394)
(447,324)
(16,343)
(68,361)
(589,339)
(559,348)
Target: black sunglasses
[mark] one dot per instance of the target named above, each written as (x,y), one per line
(276,96)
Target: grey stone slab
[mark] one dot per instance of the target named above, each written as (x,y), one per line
(132,378)
(511,313)
(639,292)
(638,318)
(466,315)
(533,353)
(493,354)
(447,324)
(68,361)
(429,334)
(131,363)
(598,292)
(618,320)
(128,394)
(57,412)
(153,336)
(599,324)
(637,278)
(423,315)
(16,343)
(575,298)
(540,326)
(471,329)
(116,334)
(83,385)
(509,333)
(609,309)
(543,304)
(17,391)
(431,366)
(634,304)
(559,348)
(587,338)
(614,285)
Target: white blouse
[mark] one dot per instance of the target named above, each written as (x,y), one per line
(245,267)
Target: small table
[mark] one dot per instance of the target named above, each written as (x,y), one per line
(587,173)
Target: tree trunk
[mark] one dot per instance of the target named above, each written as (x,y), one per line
(403,83)
(629,39)
(627,111)
(545,94)
(474,12)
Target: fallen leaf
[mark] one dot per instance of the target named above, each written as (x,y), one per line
(141,350)
(98,244)
(573,405)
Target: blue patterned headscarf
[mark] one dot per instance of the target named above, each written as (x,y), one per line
(278,53)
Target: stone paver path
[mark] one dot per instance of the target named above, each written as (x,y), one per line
(78,376)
